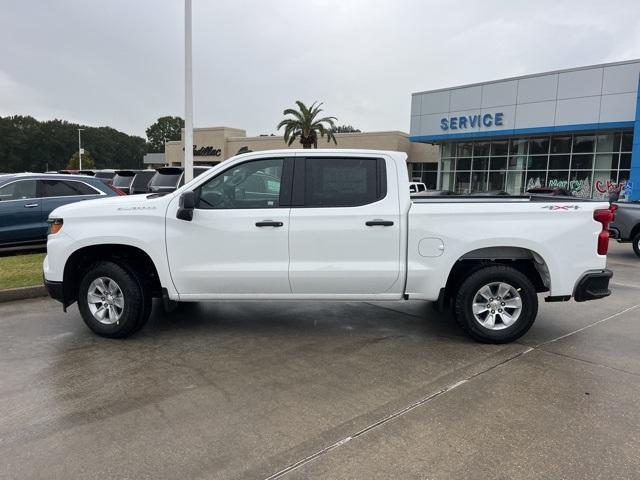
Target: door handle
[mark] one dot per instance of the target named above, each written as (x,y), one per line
(269,223)
(381,223)
(30,205)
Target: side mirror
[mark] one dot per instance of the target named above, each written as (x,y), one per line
(186,206)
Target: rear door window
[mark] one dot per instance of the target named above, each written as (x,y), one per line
(66,188)
(343,182)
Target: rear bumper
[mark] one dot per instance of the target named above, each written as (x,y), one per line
(593,285)
(55,290)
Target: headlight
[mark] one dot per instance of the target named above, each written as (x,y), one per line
(55,225)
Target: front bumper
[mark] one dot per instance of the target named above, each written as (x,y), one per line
(55,289)
(593,285)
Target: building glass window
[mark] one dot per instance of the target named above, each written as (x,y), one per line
(463,164)
(426,173)
(559,162)
(587,164)
(625,161)
(519,146)
(607,143)
(561,144)
(583,143)
(463,181)
(539,146)
(481,149)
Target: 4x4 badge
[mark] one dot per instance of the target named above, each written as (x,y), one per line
(562,207)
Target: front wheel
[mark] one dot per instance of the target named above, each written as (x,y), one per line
(636,244)
(496,304)
(113,302)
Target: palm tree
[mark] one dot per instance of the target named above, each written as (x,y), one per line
(304,125)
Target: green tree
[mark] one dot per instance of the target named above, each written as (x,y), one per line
(29,145)
(304,125)
(165,129)
(345,129)
(87,161)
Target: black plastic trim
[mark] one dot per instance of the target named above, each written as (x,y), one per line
(55,290)
(559,298)
(593,286)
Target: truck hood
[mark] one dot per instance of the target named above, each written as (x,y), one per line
(109,206)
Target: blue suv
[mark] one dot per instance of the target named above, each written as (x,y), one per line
(27,199)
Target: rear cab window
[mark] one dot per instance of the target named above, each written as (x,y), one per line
(341,182)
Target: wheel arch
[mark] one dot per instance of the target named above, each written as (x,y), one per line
(525,260)
(129,257)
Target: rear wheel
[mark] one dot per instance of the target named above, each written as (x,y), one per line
(496,304)
(636,244)
(113,302)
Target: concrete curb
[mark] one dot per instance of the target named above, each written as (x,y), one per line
(22,293)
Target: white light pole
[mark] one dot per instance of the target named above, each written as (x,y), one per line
(80,151)
(188,95)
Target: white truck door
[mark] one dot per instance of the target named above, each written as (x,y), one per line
(344,226)
(237,241)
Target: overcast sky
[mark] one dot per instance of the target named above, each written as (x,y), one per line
(120,62)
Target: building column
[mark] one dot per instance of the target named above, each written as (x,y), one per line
(634,176)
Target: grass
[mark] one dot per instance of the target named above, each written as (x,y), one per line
(21,270)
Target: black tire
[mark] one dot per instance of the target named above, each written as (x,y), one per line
(636,244)
(137,300)
(467,291)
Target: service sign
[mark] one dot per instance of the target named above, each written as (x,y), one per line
(465,122)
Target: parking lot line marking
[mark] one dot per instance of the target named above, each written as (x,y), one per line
(589,362)
(392,416)
(428,398)
(588,326)
(629,285)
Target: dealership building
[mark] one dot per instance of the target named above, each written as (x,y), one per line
(577,129)
(214,144)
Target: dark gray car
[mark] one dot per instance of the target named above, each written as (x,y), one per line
(626,226)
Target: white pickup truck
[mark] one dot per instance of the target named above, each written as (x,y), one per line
(330,225)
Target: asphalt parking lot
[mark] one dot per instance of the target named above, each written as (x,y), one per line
(324,390)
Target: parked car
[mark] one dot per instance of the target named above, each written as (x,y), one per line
(626,226)
(326,225)
(123,180)
(168,179)
(141,181)
(27,199)
(105,175)
(550,191)
(417,187)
